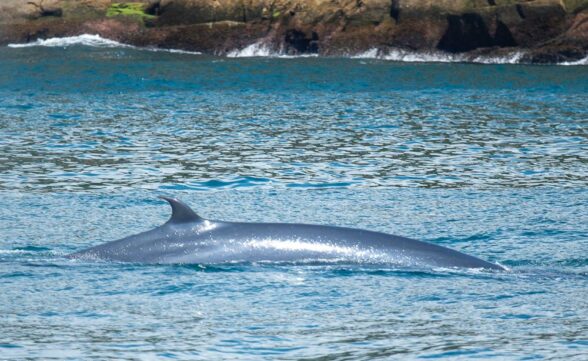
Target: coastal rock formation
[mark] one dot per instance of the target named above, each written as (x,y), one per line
(545,30)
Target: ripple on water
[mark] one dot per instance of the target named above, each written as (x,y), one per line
(474,135)
(489,160)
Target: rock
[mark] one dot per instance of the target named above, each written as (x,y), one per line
(547,30)
(187,12)
(42,8)
(567,47)
(538,22)
(577,33)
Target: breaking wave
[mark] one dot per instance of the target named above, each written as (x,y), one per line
(85,39)
(583,61)
(253,50)
(437,57)
(95,41)
(260,49)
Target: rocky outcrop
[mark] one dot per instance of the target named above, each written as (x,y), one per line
(547,30)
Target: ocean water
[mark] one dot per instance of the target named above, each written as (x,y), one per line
(491,160)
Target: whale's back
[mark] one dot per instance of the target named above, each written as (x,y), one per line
(189,239)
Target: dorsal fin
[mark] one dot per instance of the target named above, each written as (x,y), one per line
(181,213)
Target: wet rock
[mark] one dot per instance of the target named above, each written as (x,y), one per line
(554,54)
(570,46)
(532,23)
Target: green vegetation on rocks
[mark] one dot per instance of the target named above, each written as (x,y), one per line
(128,9)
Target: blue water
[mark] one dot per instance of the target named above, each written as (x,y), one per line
(491,160)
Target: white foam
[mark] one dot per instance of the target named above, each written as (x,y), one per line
(370,54)
(173,51)
(253,50)
(85,39)
(420,57)
(402,55)
(577,62)
(91,40)
(260,49)
(14,251)
(512,58)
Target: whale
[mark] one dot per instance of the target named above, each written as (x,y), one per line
(187,238)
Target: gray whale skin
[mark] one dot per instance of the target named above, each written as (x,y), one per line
(189,239)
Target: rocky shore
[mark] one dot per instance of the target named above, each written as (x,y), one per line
(542,31)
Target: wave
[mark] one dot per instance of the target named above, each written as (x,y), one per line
(85,39)
(91,40)
(577,62)
(253,50)
(402,55)
(260,49)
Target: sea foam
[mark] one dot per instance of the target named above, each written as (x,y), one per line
(261,49)
(253,50)
(91,40)
(583,61)
(402,55)
(85,39)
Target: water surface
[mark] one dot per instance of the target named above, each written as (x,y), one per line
(491,160)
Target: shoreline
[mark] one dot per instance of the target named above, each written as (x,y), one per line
(258,50)
(534,31)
